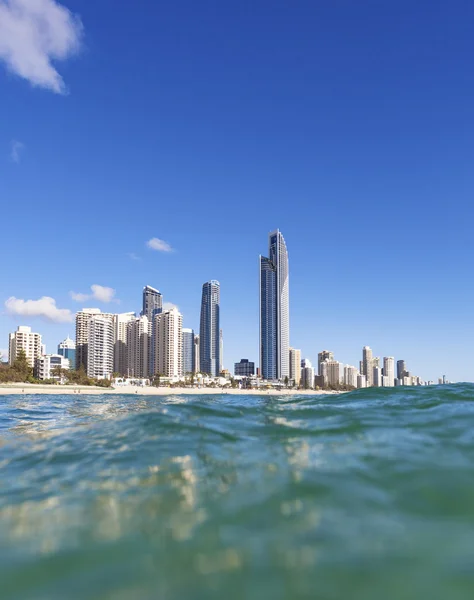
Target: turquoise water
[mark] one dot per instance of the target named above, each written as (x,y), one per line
(367,495)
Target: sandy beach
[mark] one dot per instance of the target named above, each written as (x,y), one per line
(29,388)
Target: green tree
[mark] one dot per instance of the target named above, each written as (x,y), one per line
(21,367)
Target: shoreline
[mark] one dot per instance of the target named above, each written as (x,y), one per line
(38,389)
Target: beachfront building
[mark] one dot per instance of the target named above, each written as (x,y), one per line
(67,348)
(189,365)
(322,356)
(138,337)
(274,310)
(295,366)
(389,371)
(221,351)
(121,322)
(152,305)
(307,374)
(368,365)
(401,369)
(209,330)
(350,376)
(23,339)
(197,360)
(168,351)
(82,334)
(244,368)
(46,365)
(335,372)
(361,381)
(100,346)
(377,377)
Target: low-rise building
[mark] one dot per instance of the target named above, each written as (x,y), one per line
(244,368)
(46,366)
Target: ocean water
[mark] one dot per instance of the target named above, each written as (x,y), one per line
(367,495)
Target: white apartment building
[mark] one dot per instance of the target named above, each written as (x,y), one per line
(197,356)
(361,381)
(307,374)
(350,375)
(24,339)
(121,322)
(45,366)
(169,344)
(377,377)
(386,381)
(138,336)
(100,351)
(335,372)
(389,370)
(295,366)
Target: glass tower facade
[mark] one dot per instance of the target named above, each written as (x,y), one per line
(67,348)
(209,331)
(274,310)
(189,361)
(152,305)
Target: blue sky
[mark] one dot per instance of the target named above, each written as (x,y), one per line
(348,125)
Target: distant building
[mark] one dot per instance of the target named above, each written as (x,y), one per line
(121,322)
(138,344)
(67,348)
(401,369)
(82,334)
(274,310)
(335,372)
(295,366)
(368,365)
(45,366)
(322,356)
(386,381)
(189,361)
(350,376)
(361,381)
(169,344)
(221,351)
(377,377)
(100,351)
(197,359)
(307,374)
(209,331)
(152,305)
(244,368)
(389,370)
(24,339)
(324,376)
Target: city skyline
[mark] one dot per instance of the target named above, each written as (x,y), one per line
(352,135)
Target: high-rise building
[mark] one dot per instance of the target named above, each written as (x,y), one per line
(389,370)
(121,322)
(197,359)
(67,348)
(335,372)
(244,368)
(152,305)
(322,356)
(138,338)
(350,376)
(82,335)
(295,366)
(100,346)
(361,381)
(307,374)
(209,331)
(189,364)
(221,351)
(377,377)
(401,369)
(368,365)
(274,310)
(169,343)
(24,339)
(323,376)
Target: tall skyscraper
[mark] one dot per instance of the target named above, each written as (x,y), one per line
(295,365)
(197,359)
(350,376)
(322,356)
(274,310)
(138,338)
(23,339)
(67,348)
(307,374)
(152,306)
(401,369)
(221,351)
(169,343)
(389,370)
(335,372)
(189,365)
(82,335)
(209,331)
(121,322)
(368,365)
(100,346)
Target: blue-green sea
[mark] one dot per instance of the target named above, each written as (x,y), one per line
(360,496)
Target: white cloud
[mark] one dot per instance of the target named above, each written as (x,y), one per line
(169,306)
(45,307)
(133,256)
(33,33)
(99,292)
(159,245)
(16,149)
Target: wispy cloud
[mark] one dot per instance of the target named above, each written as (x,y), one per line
(16,150)
(45,307)
(159,245)
(33,34)
(101,293)
(133,256)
